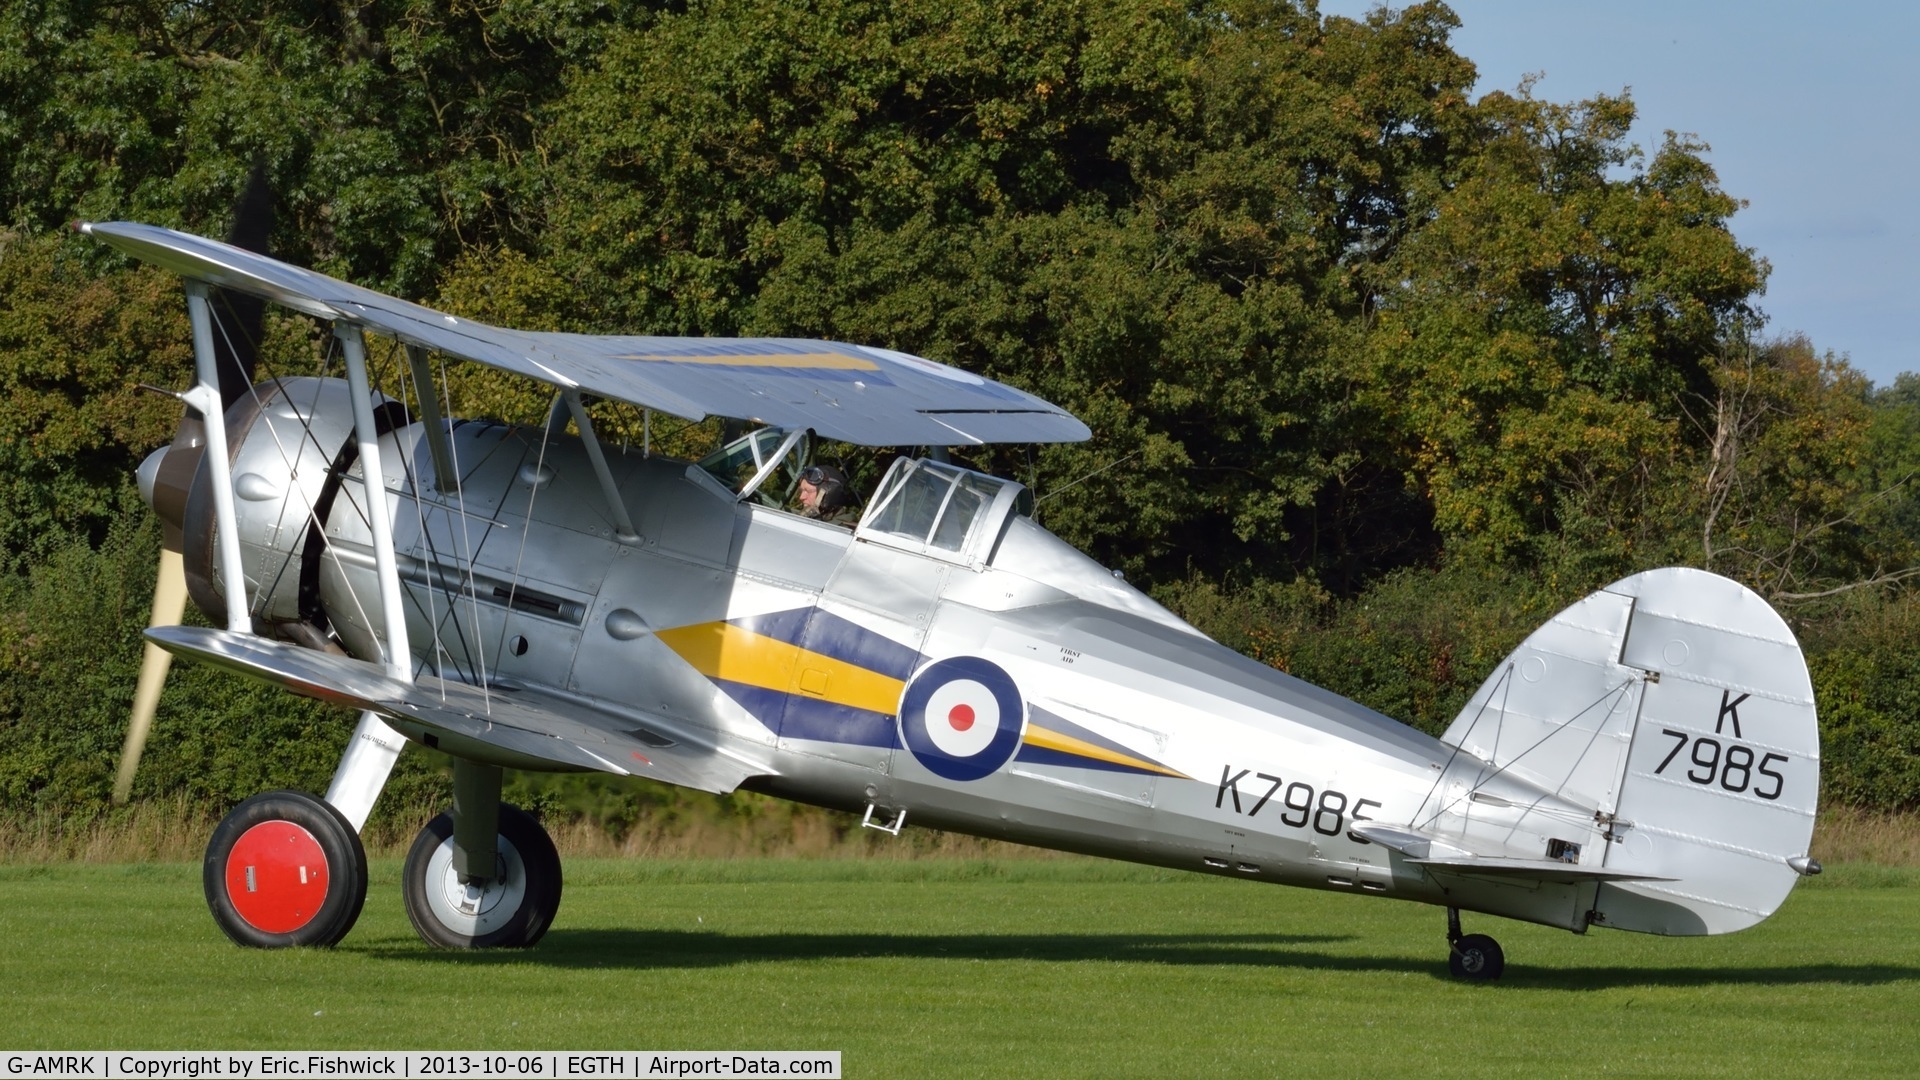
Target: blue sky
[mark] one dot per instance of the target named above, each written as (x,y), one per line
(1813,116)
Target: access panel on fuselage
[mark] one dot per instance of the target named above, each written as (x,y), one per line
(859,645)
(505,567)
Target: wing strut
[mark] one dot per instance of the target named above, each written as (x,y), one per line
(623,524)
(374,747)
(373,478)
(205,396)
(444,470)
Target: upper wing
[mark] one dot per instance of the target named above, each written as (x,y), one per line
(852,393)
(540,728)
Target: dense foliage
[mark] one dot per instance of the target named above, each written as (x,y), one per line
(1380,374)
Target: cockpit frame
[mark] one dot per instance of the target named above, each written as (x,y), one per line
(942,511)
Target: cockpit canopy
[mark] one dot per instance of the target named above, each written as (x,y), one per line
(745,465)
(942,511)
(927,507)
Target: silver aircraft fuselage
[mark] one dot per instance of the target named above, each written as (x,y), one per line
(949,662)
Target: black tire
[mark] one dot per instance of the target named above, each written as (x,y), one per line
(285,868)
(1476,958)
(513,911)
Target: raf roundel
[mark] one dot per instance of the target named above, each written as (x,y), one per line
(962,718)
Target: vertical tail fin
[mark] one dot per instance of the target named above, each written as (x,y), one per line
(1676,706)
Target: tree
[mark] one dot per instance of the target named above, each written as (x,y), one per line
(392,131)
(1534,339)
(1788,495)
(1152,213)
(74,348)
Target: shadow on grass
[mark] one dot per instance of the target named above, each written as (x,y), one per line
(666,949)
(698,949)
(1613,978)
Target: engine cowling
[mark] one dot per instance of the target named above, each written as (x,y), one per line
(290,441)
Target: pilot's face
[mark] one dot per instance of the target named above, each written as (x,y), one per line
(809,496)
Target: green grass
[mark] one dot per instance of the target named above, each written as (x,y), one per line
(945,968)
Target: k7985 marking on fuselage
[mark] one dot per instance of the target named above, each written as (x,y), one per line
(1334,806)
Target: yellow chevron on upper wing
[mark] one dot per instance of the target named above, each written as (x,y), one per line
(818,360)
(721,650)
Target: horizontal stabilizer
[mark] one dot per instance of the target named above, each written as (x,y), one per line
(1409,842)
(1438,855)
(1550,870)
(525,722)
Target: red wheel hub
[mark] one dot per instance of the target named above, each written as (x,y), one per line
(277,877)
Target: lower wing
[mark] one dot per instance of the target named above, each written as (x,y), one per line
(519,726)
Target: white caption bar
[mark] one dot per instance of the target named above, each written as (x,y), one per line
(425,1065)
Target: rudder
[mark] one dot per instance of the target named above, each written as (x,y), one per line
(1722,779)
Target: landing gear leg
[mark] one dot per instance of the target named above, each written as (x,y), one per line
(1474,957)
(485,875)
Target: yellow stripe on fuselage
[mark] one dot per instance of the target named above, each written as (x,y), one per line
(721,650)
(818,360)
(1067,744)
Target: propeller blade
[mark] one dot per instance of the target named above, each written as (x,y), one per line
(169,603)
(237,353)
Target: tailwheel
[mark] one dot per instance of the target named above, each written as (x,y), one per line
(511,908)
(285,868)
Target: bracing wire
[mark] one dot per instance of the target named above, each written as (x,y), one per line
(1076,483)
(1481,781)
(533,494)
(477,654)
(288,459)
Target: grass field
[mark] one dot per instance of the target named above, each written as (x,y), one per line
(963,968)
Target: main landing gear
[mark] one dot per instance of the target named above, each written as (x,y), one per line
(1474,957)
(509,905)
(286,868)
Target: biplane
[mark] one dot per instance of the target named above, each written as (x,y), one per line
(531,597)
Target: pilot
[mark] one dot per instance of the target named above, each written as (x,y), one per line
(824,496)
